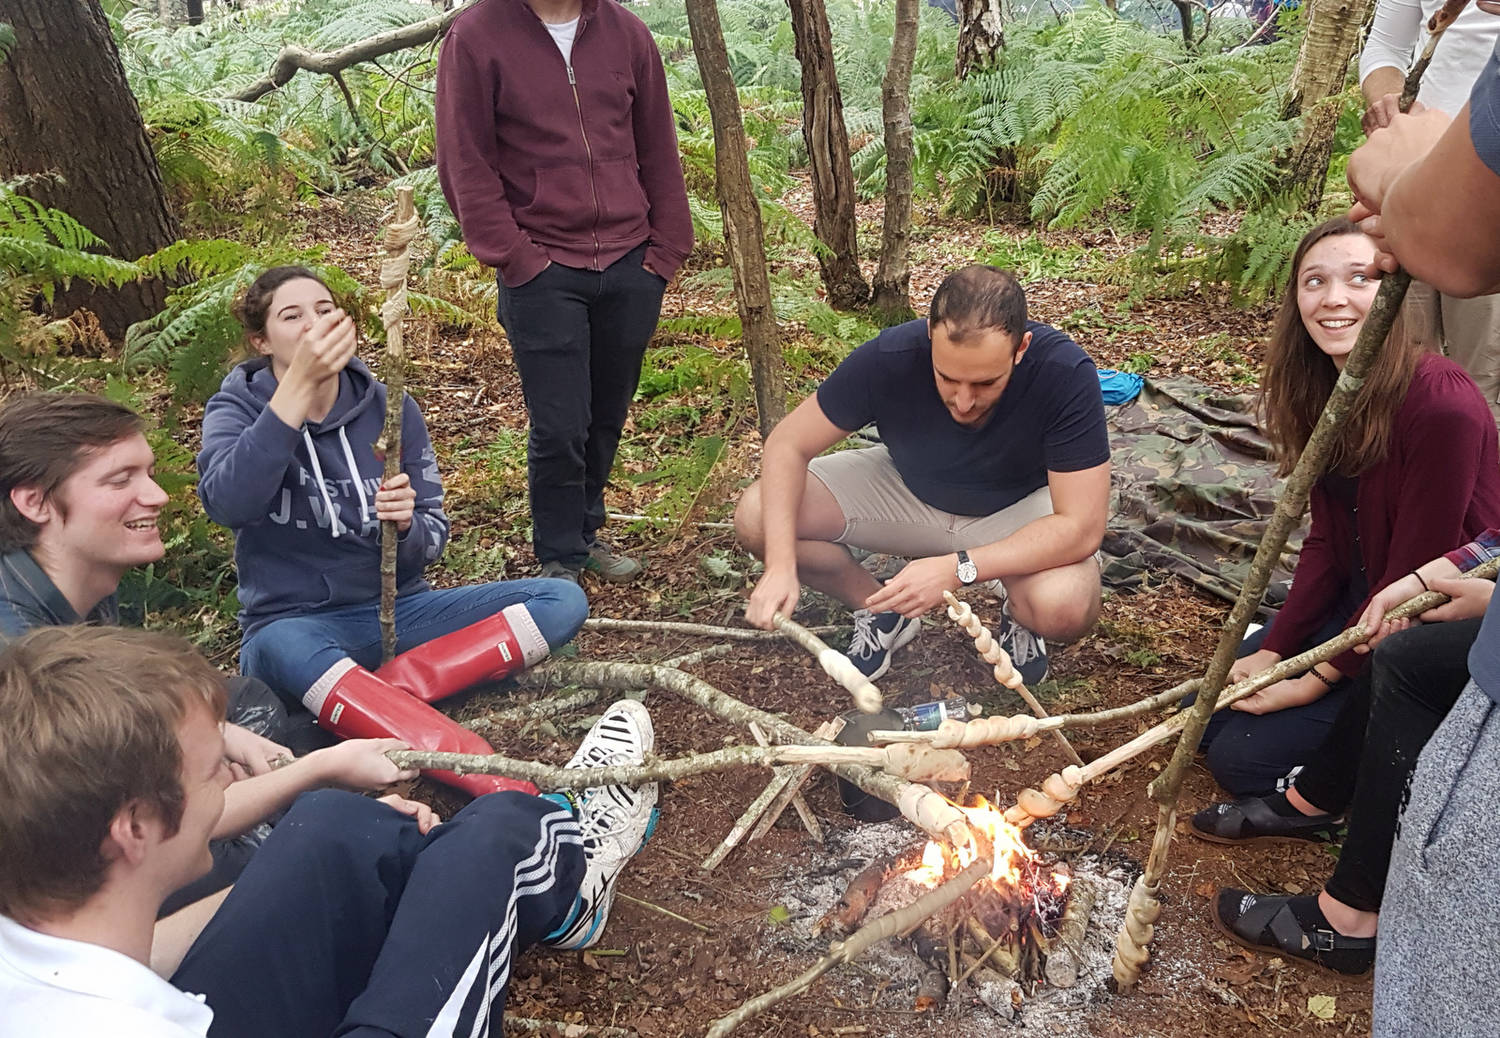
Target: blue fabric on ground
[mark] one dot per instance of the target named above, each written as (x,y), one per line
(1119,387)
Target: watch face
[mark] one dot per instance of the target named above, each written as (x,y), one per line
(967,572)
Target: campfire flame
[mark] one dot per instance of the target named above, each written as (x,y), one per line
(1015,864)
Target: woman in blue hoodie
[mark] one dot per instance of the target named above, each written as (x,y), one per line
(288,464)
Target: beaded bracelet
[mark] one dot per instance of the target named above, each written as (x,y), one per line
(1321,677)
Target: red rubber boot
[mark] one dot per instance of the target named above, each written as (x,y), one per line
(496,647)
(355,704)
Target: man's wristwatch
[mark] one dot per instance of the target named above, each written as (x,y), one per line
(967,571)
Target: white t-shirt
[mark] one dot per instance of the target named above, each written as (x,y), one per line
(1399,32)
(53,986)
(562,35)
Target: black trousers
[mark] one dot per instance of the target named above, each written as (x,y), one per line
(1365,765)
(1253,754)
(350,922)
(578,337)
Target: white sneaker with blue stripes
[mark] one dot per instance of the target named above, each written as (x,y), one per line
(616,821)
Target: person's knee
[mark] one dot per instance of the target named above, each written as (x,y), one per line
(560,613)
(1227,763)
(1061,611)
(749,525)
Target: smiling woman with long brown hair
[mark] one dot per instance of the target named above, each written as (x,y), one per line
(1415,470)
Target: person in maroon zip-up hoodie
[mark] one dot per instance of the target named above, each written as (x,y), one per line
(557,151)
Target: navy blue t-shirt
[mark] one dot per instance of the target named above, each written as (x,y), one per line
(1050,418)
(1484,131)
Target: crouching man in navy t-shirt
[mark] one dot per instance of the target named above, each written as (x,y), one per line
(994,466)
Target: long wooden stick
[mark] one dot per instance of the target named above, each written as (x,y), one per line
(393,270)
(923,764)
(929,811)
(834,663)
(744,634)
(1063,786)
(1131,944)
(859,942)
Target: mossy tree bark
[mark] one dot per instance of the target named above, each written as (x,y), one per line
(891,301)
(827,139)
(743,232)
(92,143)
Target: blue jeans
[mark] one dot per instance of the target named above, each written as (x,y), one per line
(292,653)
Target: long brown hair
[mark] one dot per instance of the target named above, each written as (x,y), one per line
(1297,379)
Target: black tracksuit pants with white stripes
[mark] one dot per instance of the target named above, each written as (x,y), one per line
(350,922)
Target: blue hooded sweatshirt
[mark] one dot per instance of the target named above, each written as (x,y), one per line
(278,488)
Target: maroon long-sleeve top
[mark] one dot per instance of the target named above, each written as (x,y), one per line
(1438,486)
(545,160)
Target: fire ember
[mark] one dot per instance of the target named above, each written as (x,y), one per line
(1012,923)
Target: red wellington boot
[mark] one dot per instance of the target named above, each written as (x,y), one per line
(495,647)
(355,704)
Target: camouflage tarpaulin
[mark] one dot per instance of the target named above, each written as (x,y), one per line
(1192,491)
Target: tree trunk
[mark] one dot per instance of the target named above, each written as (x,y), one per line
(93,140)
(981,34)
(827,140)
(892,298)
(742,227)
(175,12)
(1333,30)
(195,12)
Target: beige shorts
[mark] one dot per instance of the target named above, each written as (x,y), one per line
(882,515)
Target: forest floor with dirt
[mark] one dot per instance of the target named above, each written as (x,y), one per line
(744,927)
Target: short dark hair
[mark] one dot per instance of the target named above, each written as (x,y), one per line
(979,298)
(253,306)
(89,720)
(44,438)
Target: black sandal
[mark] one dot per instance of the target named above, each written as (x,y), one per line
(1251,819)
(1267,923)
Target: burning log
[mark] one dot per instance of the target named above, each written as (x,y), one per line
(886,926)
(861,893)
(1065,957)
(1007,675)
(834,663)
(932,990)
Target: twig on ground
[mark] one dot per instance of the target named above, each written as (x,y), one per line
(745,634)
(664,911)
